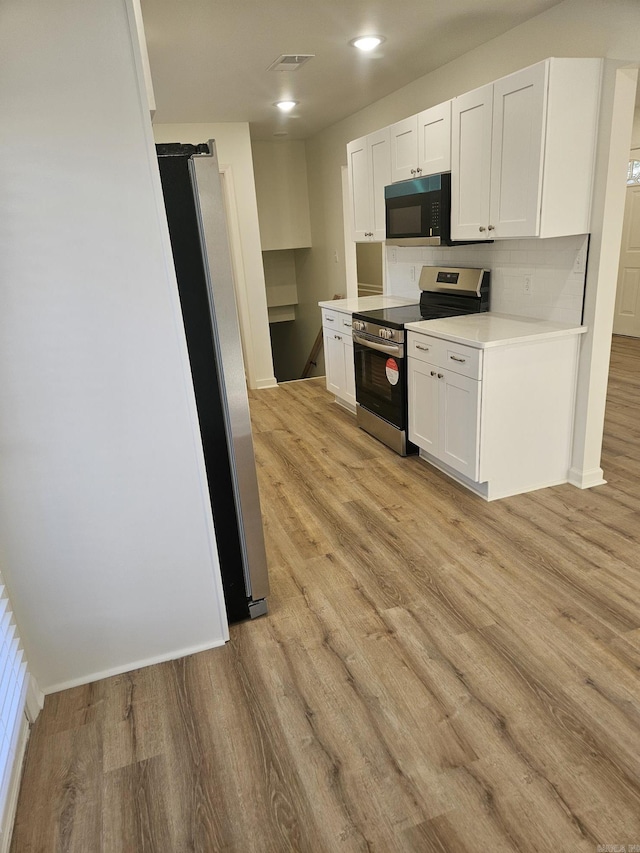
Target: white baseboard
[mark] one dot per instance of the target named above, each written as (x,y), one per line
(586,479)
(348,407)
(34,700)
(266,383)
(129,667)
(489,491)
(479,489)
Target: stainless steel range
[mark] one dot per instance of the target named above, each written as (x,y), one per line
(379,348)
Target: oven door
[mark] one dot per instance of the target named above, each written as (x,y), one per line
(381,380)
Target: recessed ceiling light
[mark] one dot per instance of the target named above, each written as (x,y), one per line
(286,106)
(367,43)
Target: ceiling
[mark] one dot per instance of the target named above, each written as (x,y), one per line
(209,58)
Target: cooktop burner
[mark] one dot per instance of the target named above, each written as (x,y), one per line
(392,318)
(396,318)
(445,292)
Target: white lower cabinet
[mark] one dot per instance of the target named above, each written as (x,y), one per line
(338,356)
(444,415)
(459,422)
(499,418)
(424,391)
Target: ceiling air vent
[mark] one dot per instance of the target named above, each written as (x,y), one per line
(290,62)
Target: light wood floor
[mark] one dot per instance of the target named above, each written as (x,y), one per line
(436,673)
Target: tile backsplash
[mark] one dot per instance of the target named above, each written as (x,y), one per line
(530,278)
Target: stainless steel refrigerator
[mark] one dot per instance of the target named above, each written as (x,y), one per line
(197,226)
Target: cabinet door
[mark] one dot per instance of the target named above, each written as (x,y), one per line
(404,149)
(359,189)
(519,109)
(459,422)
(334,362)
(423,405)
(349,391)
(471,164)
(434,140)
(379,159)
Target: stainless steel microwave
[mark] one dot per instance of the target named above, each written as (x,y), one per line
(418,212)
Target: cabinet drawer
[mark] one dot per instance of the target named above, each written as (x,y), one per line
(461,359)
(336,320)
(465,360)
(425,348)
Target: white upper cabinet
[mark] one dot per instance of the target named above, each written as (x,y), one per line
(369,173)
(471,164)
(434,140)
(421,144)
(404,149)
(522,153)
(380,171)
(359,183)
(516,152)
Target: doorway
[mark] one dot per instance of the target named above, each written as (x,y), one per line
(626,320)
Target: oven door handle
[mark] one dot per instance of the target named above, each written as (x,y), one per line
(390,348)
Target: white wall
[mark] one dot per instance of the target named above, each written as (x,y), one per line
(234,155)
(107,542)
(280,278)
(280,170)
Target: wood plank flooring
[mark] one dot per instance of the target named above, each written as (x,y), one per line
(436,673)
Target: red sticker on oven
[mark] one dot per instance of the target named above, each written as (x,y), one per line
(393,371)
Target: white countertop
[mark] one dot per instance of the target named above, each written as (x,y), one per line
(366,303)
(491,330)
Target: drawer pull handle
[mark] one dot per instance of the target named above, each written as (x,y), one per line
(440,375)
(348,325)
(331,319)
(433,373)
(424,349)
(455,358)
(337,337)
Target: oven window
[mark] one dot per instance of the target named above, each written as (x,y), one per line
(405,220)
(381,384)
(376,378)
